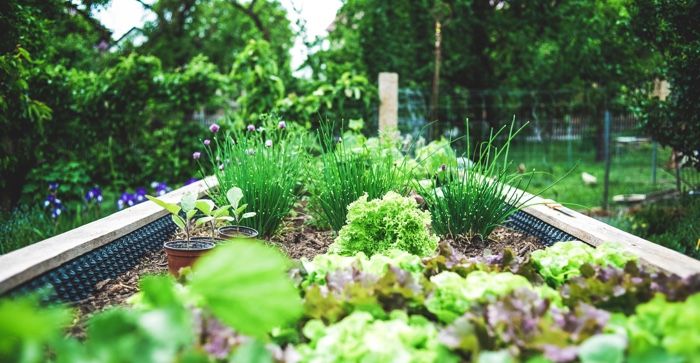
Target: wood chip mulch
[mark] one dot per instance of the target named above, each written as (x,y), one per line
(500,239)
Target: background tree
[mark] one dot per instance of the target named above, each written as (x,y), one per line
(671,28)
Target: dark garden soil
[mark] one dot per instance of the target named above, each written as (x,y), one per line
(297,239)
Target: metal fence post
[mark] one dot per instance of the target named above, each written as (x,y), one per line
(606,153)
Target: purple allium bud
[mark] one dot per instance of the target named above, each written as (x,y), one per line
(268,143)
(250,128)
(214,128)
(196,155)
(443,167)
(207,142)
(282,125)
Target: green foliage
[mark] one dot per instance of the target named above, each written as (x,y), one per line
(257,78)
(435,156)
(668,28)
(361,338)
(454,294)
(563,260)
(664,331)
(254,295)
(267,176)
(347,173)
(473,201)
(27,331)
(22,227)
(375,226)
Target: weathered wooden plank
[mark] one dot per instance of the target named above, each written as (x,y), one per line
(29,262)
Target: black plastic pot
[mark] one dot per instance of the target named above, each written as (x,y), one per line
(182,253)
(229,232)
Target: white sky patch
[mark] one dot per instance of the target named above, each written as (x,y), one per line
(122,15)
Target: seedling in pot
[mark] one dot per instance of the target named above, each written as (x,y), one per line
(212,215)
(186,205)
(238,213)
(182,253)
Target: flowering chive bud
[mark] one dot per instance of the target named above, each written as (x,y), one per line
(196,155)
(282,125)
(268,143)
(261,129)
(251,128)
(207,142)
(443,167)
(214,128)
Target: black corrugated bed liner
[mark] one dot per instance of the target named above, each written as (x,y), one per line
(75,280)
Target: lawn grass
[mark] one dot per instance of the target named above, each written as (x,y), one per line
(630,171)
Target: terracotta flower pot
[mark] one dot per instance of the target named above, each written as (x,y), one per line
(182,253)
(229,232)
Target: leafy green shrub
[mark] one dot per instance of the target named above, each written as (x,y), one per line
(347,174)
(22,227)
(267,165)
(375,226)
(433,156)
(563,260)
(403,338)
(474,201)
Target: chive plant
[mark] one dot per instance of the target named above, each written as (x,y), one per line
(472,202)
(346,174)
(266,165)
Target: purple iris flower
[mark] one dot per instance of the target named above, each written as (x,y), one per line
(94,194)
(161,188)
(54,204)
(191,181)
(196,155)
(251,128)
(214,128)
(53,186)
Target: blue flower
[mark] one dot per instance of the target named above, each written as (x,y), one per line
(94,194)
(191,181)
(161,188)
(53,186)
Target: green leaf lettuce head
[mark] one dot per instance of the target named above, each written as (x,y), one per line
(378,225)
(321,265)
(362,338)
(245,285)
(665,329)
(454,294)
(562,261)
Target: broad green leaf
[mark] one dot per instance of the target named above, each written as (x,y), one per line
(245,285)
(187,202)
(248,215)
(191,213)
(226,218)
(603,348)
(252,352)
(206,206)
(203,220)
(234,196)
(170,207)
(241,209)
(221,212)
(178,221)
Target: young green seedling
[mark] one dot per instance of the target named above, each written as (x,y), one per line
(212,215)
(186,205)
(234,196)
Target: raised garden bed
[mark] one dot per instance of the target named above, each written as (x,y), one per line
(133,244)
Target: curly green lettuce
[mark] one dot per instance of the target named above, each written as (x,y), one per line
(361,338)
(454,294)
(563,260)
(378,225)
(321,265)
